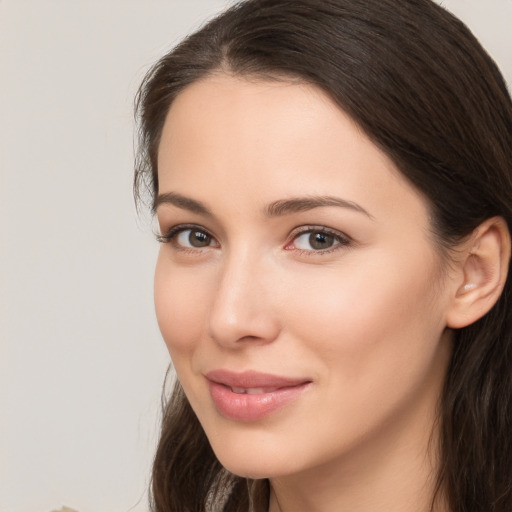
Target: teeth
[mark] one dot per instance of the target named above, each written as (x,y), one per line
(252,391)
(256,391)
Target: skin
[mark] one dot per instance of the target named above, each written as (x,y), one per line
(365,320)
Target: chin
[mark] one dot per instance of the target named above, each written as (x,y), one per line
(250,459)
(252,470)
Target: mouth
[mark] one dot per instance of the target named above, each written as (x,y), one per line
(251,396)
(252,391)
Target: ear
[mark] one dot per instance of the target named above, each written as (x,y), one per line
(481,273)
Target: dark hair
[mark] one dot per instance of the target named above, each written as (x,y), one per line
(423,89)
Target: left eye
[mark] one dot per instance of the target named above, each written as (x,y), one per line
(317,241)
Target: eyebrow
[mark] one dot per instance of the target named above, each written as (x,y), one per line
(274,209)
(302,204)
(186,203)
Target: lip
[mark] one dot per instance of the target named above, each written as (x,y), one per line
(266,393)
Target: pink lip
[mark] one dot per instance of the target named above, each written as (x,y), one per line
(269,393)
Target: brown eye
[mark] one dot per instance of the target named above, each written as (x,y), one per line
(188,237)
(319,241)
(193,238)
(198,238)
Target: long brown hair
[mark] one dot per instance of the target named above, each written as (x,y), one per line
(423,89)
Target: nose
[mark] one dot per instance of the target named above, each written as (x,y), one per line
(242,310)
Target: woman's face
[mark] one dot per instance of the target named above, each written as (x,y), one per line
(298,290)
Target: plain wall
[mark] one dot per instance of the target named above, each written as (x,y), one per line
(81,359)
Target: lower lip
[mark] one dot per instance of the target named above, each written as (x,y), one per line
(244,407)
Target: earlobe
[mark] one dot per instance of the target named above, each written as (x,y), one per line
(482,273)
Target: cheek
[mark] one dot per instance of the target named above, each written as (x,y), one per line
(366,311)
(181,301)
(373,337)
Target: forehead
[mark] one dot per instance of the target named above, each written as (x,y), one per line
(268,140)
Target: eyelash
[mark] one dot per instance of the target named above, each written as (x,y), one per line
(170,236)
(341,239)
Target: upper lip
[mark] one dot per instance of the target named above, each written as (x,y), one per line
(253,379)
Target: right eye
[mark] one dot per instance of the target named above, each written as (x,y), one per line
(193,238)
(188,237)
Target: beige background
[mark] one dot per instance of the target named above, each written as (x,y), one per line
(81,361)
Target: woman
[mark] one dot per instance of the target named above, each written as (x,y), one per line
(332,181)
